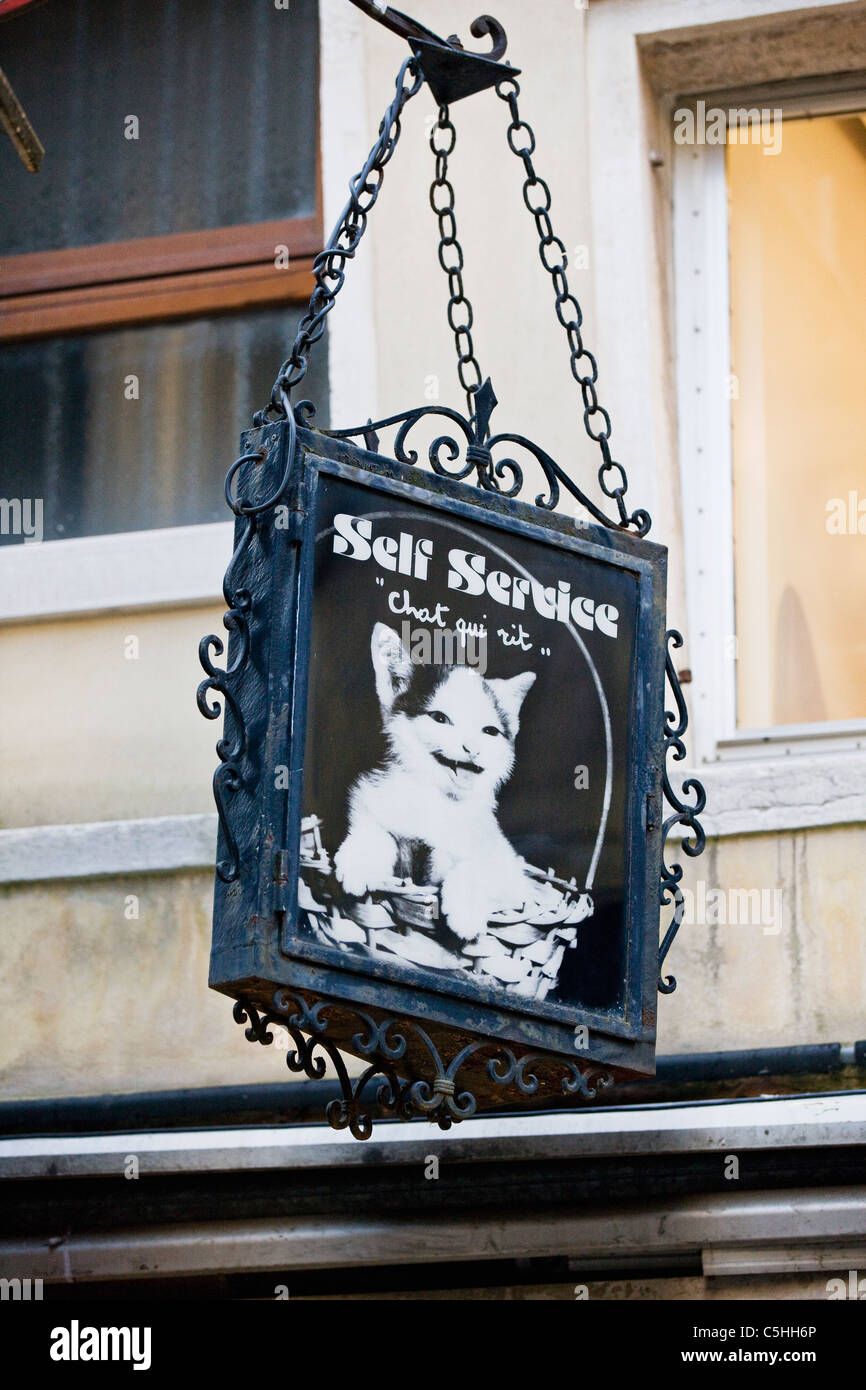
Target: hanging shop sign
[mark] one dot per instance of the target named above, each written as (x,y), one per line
(443,768)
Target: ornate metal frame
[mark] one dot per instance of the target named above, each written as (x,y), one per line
(417,1077)
(443,1099)
(694,841)
(504,476)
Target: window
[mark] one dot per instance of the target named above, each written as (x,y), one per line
(145,301)
(770,268)
(798,358)
(103,463)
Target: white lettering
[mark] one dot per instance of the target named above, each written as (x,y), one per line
(351,534)
(466,572)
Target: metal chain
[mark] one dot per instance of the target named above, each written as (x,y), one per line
(442,203)
(584,369)
(329,265)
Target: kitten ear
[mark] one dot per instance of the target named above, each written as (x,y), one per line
(510,695)
(391,663)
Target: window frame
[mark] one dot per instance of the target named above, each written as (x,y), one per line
(642,58)
(75,289)
(703,364)
(183,275)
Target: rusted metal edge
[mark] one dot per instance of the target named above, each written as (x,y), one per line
(18,128)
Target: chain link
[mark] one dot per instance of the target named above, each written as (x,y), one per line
(329,270)
(329,267)
(584,368)
(460,315)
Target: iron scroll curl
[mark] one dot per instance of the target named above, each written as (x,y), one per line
(444,1099)
(685,812)
(216,691)
(406,28)
(504,476)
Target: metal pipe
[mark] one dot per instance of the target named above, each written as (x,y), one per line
(303,1102)
(664,1226)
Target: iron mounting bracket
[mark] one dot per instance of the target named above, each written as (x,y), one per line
(449,71)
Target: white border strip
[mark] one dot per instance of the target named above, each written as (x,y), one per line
(703,364)
(100,849)
(720,1127)
(176,567)
(794,793)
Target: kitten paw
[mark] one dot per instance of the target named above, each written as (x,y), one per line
(351,872)
(466,927)
(362,864)
(465,909)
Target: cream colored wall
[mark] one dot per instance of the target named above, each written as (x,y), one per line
(97,1002)
(88,734)
(518,341)
(793,976)
(101,1002)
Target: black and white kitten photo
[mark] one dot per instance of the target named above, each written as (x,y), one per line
(450,735)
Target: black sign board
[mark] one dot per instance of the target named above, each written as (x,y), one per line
(441,777)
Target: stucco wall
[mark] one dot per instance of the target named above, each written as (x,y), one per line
(103,1001)
(100,719)
(106,1002)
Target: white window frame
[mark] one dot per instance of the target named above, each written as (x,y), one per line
(643,58)
(703,365)
(173,567)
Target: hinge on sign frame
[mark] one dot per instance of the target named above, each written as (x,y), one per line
(281,881)
(652,811)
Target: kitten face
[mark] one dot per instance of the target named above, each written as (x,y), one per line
(447,725)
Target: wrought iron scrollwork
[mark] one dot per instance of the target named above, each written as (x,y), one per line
(506,1068)
(442,1098)
(685,812)
(504,475)
(412,1078)
(218,683)
(230,749)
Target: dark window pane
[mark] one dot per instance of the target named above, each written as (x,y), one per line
(225,95)
(101,462)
